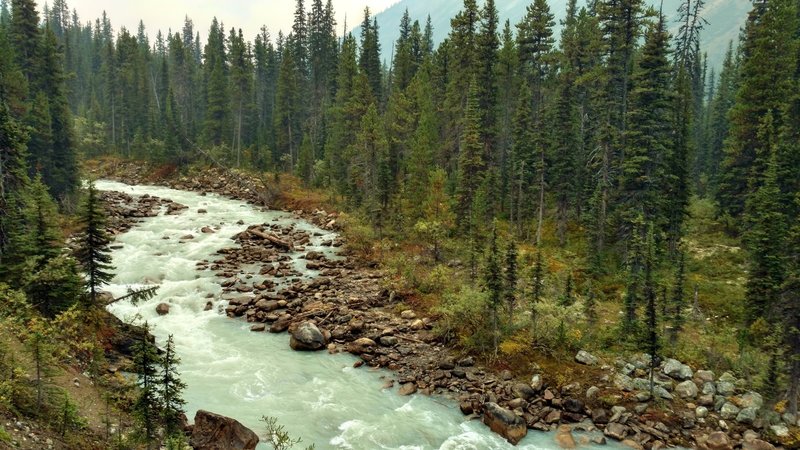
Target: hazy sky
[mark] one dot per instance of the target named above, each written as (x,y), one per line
(248,15)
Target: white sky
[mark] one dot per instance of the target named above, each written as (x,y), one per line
(249,15)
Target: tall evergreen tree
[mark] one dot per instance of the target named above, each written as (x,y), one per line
(93,252)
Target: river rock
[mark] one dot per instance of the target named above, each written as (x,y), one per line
(408,315)
(361,345)
(725,388)
(523,390)
(307,337)
(747,415)
(718,441)
(215,432)
(677,370)
(259,327)
(162,309)
(504,422)
(616,431)
(281,325)
(564,437)
(751,400)
(704,376)
(408,389)
(586,358)
(757,444)
(780,431)
(701,412)
(686,390)
(729,411)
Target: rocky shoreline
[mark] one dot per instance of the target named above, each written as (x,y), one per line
(345,308)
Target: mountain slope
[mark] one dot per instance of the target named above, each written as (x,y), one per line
(725,18)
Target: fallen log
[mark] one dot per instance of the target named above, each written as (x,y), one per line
(275,240)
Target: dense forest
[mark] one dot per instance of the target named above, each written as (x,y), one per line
(504,136)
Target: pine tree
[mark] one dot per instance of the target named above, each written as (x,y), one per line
(567,298)
(170,390)
(511,278)
(646,175)
(370,60)
(652,344)
(471,164)
(493,282)
(677,300)
(93,252)
(487,46)
(147,406)
(765,237)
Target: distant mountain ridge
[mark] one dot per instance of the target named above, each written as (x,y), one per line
(725,18)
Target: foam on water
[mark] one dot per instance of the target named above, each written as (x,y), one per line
(245,375)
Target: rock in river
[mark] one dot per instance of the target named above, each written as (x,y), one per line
(307,337)
(215,432)
(504,422)
(162,309)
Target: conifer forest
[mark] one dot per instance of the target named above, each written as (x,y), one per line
(542,222)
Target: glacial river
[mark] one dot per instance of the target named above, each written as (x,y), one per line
(232,371)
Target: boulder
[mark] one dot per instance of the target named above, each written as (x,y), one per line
(504,422)
(307,337)
(704,376)
(162,309)
(564,437)
(592,392)
(623,382)
(725,388)
(408,315)
(757,444)
(718,441)
(751,400)
(573,405)
(686,390)
(727,377)
(361,345)
(747,415)
(537,383)
(616,431)
(729,411)
(677,370)
(215,432)
(600,416)
(780,431)
(586,358)
(523,390)
(408,389)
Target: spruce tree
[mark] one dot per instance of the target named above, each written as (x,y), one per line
(677,300)
(766,239)
(170,390)
(652,342)
(471,164)
(493,283)
(567,297)
(511,278)
(93,252)
(147,406)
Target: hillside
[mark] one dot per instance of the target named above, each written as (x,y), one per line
(725,17)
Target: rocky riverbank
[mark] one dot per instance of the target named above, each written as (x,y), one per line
(346,308)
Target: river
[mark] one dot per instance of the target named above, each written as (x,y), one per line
(232,371)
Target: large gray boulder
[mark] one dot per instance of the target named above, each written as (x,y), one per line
(307,337)
(686,390)
(729,411)
(504,422)
(751,400)
(747,415)
(677,370)
(215,432)
(586,358)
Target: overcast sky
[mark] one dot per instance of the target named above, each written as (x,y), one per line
(248,15)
